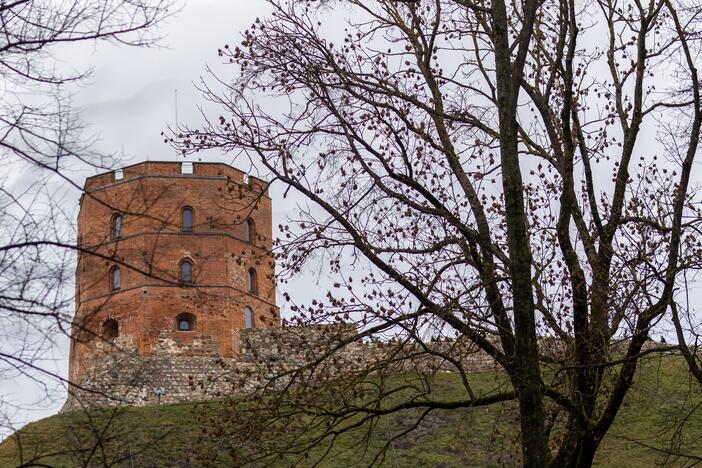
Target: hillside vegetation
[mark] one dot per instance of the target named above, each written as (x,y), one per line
(660,422)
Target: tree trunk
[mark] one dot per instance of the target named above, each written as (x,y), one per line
(581,454)
(525,372)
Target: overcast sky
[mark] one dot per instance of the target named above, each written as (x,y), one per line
(128,100)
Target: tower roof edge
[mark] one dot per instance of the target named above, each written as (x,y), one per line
(167,168)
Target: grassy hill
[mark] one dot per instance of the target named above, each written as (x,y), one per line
(661,415)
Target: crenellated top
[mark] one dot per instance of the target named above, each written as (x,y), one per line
(173,169)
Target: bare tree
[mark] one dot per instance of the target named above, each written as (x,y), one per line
(41,143)
(492,171)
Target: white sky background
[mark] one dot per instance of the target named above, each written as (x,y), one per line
(127,102)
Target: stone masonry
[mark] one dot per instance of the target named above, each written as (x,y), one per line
(121,376)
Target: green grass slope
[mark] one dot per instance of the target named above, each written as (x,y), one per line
(660,421)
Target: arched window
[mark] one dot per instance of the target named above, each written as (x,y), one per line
(186,271)
(115,279)
(251,285)
(187,219)
(248,318)
(185,322)
(250,231)
(110,329)
(116,226)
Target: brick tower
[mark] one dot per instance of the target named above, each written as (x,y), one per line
(172,256)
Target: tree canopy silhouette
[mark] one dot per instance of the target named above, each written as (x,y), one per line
(499,172)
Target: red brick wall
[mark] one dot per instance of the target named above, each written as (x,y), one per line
(150,199)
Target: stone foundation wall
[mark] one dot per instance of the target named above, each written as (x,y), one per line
(119,376)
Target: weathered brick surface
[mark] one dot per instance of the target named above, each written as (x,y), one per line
(150,198)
